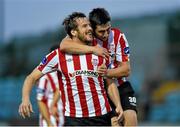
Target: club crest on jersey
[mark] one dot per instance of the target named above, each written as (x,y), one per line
(126,50)
(44,60)
(94,62)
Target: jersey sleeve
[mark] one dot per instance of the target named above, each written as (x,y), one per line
(41,89)
(122,49)
(49,63)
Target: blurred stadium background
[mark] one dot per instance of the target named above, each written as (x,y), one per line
(154,38)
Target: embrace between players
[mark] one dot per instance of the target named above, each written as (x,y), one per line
(92,53)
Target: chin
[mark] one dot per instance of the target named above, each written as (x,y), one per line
(89,39)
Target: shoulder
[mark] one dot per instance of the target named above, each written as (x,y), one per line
(116,31)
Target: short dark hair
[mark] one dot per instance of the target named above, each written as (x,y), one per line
(70,23)
(98,16)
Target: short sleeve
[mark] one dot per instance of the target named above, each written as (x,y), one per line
(49,63)
(122,49)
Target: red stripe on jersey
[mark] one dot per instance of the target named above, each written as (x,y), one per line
(64,68)
(49,58)
(105,45)
(94,42)
(100,79)
(61,88)
(53,85)
(117,33)
(92,87)
(80,87)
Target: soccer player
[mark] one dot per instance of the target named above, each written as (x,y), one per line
(86,102)
(47,89)
(115,42)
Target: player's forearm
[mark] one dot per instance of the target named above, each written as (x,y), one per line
(44,111)
(120,71)
(27,87)
(56,97)
(29,83)
(75,48)
(114,94)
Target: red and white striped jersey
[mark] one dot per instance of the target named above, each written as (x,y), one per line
(118,49)
(45,91)
(83,88)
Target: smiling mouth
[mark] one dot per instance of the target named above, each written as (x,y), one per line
(89,33)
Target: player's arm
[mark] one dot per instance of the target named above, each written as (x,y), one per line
(111,88)
(53,107)
(44,111)
(25,107)
(113,93)
(123,70)
(69,46)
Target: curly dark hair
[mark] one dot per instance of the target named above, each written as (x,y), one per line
(70,23)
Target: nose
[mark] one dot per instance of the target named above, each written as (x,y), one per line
(89,27)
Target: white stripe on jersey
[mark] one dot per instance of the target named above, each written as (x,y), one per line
(119,51)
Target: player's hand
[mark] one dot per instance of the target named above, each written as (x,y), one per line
(25,108)
(100,51)
(102,69)
(119,112)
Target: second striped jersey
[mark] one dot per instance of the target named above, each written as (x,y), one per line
(118,48)
(45,93)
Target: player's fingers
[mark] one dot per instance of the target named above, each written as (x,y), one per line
(30,107)
(101,72)
(106,53)
(23,115)
(121,117)
(26,111)
(21,111)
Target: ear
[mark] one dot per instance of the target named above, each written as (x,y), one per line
(73,32)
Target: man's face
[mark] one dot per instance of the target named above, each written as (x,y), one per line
(102,31)
(84,30)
